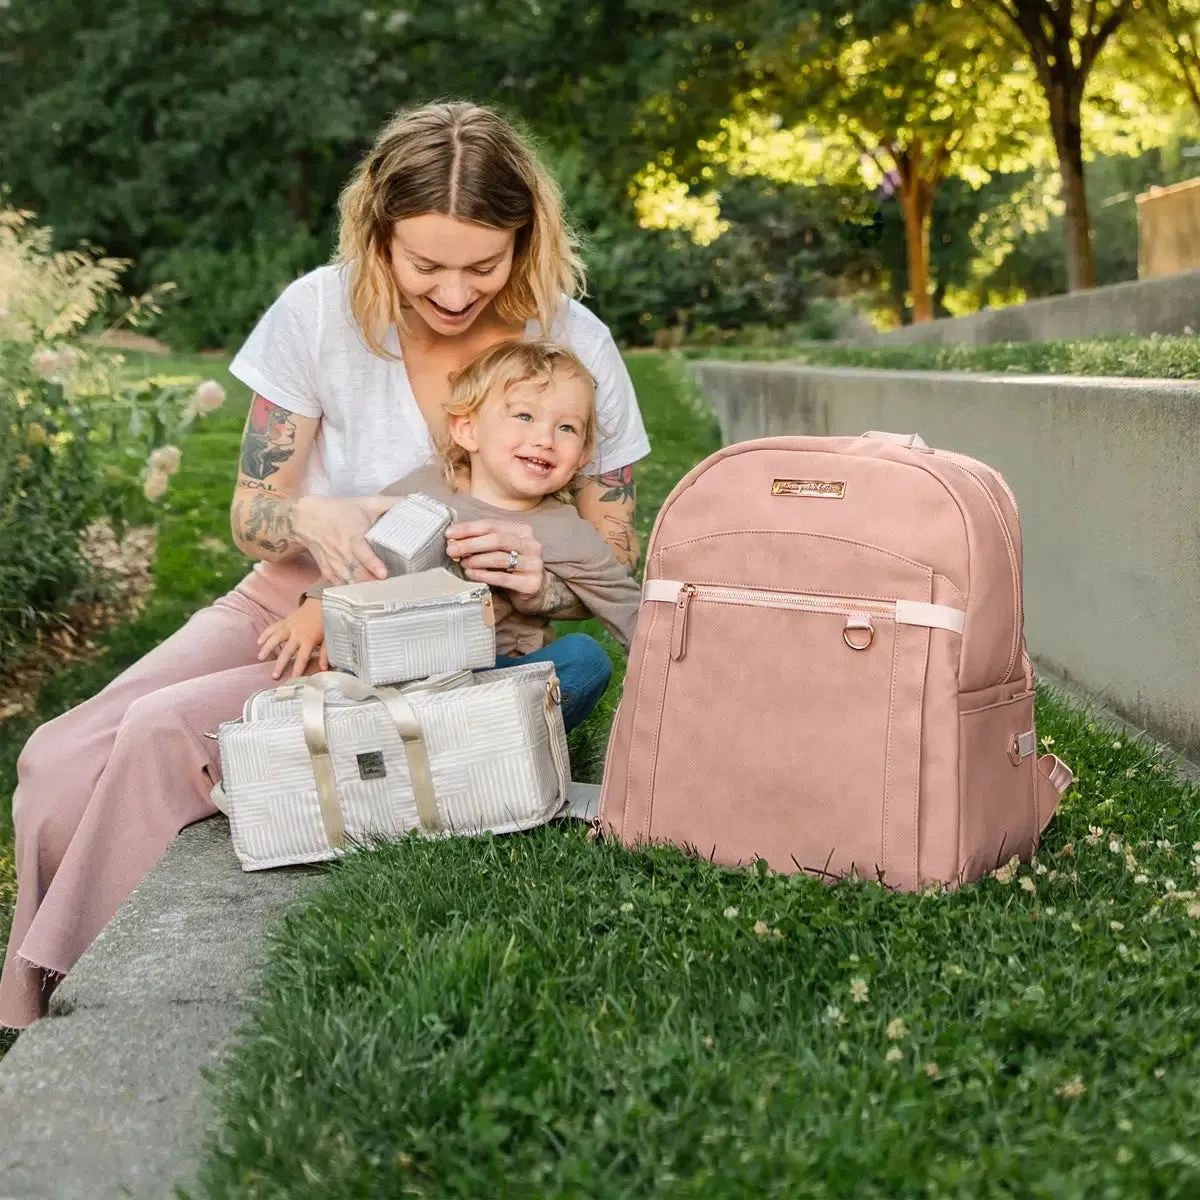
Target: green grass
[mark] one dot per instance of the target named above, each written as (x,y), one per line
(1148,358)
(551,1015)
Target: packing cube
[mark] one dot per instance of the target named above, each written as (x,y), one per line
(411,535)
(408,627)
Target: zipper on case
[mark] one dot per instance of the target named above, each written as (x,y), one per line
(859,613)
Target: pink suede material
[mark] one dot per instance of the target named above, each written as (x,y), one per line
(104,788)
(757,723)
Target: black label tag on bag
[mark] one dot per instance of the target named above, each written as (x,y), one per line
(371,765)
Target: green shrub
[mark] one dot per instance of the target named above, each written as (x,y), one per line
(77,443)
(222,293)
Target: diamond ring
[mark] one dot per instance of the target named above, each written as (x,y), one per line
(513,559)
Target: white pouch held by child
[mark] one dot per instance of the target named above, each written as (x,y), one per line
(324,763)
(411,626)
(411,535)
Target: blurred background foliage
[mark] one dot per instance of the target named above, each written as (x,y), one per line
(740,168)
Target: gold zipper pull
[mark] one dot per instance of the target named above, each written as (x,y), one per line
(679,630)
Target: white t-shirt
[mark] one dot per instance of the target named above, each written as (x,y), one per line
(307,355)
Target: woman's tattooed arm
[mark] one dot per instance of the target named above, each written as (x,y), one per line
(609,502)
(275,449)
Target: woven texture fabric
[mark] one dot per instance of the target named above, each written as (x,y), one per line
(411,535)
(495,742)
(388,641)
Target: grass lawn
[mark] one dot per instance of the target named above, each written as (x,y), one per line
(548,1015)
(1150,357)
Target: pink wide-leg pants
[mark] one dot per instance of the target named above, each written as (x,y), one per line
(104,788)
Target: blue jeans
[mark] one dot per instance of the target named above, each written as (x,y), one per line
(584,670)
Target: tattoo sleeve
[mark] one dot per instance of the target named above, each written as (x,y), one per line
(269,440)
(617,485)
(262,517)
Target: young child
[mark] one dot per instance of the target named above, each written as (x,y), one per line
(520,424)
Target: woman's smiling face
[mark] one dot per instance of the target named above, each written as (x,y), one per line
(450,270)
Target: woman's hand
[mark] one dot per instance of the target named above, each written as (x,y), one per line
(295,638)
(502,554)
(331,529)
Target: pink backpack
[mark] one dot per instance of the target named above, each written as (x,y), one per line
(829,670)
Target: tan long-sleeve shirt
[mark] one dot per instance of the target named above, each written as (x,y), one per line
(572,550)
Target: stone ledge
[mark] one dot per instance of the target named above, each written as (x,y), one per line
(105,1098)
(1167,305)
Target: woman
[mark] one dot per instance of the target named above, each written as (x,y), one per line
(452,239)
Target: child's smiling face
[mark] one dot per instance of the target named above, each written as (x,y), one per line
(529,442)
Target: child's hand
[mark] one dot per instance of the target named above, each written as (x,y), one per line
(295,637)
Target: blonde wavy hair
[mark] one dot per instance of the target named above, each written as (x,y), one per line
(464,161)
(491,375)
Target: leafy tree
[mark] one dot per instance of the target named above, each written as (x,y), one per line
(934,93)
(1063,39)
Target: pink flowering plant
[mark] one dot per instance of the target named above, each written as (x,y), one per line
(78,440)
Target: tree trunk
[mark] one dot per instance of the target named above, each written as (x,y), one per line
(916,198)
(1068,141)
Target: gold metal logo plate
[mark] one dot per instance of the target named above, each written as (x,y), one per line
(819,489)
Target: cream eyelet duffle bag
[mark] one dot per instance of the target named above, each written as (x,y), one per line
(411,536)
(320,765)
(409,627)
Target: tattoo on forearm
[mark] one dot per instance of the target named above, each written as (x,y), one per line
(269,440)
(556,597)
(257,485)
(619,534)
(618,484)
(265,520)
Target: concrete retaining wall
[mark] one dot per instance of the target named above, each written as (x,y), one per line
(1167,305)
(1107,476)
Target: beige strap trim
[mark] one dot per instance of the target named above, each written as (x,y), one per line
(934,616)
(666,590)
(419,771)
(914,441)
(313,700)
(552,711)
(314,689)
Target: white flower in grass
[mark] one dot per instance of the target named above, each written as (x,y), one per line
(1196,862)
(1116,745)
(1094,834)
(1193,911)
(897,1029)
(208,397)
(1072,1089)
(894,1055)
(1131,772)
(761,928)
(165,459)
(859,992)
(1115,926)
(932,1070)
(835,1015)
(1026,884)
(730,913)
(155,486)
(1142,878)
(627,907)
(1169,885)
(1042,869)
(1008,872)
(1115,844)
(1158,768)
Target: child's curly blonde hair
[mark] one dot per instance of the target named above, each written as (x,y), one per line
(491,375)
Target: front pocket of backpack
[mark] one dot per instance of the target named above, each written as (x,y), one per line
(788,722)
